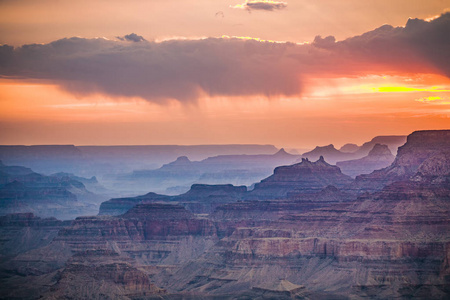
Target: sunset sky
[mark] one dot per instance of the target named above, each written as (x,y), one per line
(289,73)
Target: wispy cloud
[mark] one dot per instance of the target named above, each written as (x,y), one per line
(189,69)
(261,5)
(435,100)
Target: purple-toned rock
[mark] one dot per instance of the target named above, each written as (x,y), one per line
(330,153)
(118,206)
(306,177)
(379,157)
(420,147)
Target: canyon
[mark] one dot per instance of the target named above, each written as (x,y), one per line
(308,231)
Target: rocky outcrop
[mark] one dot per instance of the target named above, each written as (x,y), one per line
(305,177)
(22,190)
(202,191)
(349,148)
(157,211)
(352,151)
(118,206)
(100,274)
(392,141)
(23,232)
(155,233)
(379,243)
(105,281)
(222,169)
(201,198)
(330,153)
(387,244)
(379,157)
(420,146)
(394,243)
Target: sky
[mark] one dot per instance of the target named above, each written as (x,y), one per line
(293,74)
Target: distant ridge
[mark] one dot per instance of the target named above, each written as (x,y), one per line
(379,157)
(98,160)
(330,153)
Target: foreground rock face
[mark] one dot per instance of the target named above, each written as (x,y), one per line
(23,232)
(304,177)
(392,243)
(152,233)
(102,274)
(378,245)
(378,158)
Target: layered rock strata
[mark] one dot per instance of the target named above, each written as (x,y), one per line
(306,177)
(201,198)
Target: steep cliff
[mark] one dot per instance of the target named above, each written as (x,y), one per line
(316,241)
(22,190)
(420,146)
(100,274)
(394,243)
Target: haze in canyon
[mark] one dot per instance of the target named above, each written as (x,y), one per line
(229,149)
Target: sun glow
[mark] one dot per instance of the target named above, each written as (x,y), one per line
(402,89)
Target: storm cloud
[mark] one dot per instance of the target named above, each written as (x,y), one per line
(188,69)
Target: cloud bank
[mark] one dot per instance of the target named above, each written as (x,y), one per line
(188,69)
(261,5)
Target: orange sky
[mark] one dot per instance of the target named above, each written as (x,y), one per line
(353,102)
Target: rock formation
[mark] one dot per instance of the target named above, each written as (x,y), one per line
(22,190)
(392,243)
(201,198)
(349,148)
(305,177)
(392,141)
(222,169)
(379,157)
(420,146)
(118,206)
(330,153)
(316,241)
(95,274)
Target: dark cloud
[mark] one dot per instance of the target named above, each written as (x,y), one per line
(188,69)
(327,42)
(262,5)
(132,37)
